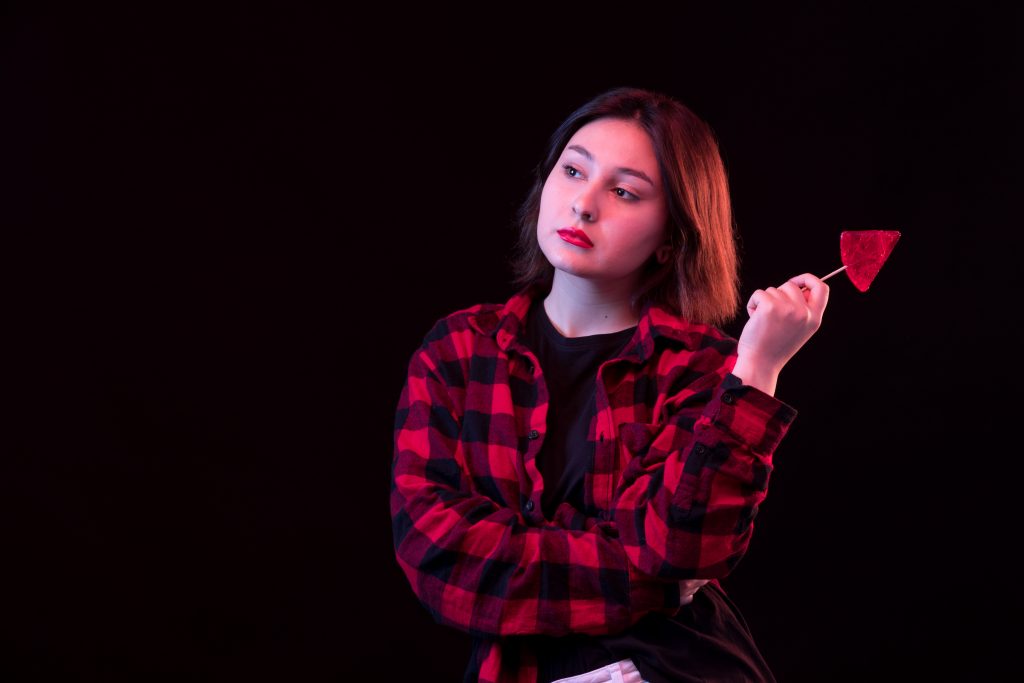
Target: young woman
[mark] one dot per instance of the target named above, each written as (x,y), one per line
(575,468)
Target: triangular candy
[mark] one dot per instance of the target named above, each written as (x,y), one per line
(864,251)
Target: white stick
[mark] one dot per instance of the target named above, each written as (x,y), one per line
(837,270)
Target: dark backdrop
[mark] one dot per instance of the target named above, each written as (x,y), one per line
(228,230)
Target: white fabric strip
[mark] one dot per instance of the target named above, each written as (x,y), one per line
(620,672)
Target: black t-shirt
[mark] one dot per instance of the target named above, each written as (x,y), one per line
(570,371)
(708,639)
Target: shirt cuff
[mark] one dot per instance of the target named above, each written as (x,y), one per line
(751,415)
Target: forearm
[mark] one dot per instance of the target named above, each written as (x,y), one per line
(690,493)
(478,567)
(473,560)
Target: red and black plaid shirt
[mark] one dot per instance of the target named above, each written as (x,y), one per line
(682,460)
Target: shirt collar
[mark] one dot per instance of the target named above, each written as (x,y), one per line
(506,323)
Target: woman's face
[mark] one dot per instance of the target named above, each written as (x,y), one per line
(606,183)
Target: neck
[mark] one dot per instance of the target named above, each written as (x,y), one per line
(579,307)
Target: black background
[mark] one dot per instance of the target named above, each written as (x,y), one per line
(228,230)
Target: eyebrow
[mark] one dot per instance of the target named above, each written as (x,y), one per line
(621,169)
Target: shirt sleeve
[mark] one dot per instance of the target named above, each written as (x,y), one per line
(479,565)
(688,497)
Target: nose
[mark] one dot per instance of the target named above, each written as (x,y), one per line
(585,206)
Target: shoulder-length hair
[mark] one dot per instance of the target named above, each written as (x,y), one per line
(701,280)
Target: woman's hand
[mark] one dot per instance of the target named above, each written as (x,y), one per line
(688,588)
(782,319)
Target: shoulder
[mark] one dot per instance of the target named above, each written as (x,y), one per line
(677,333)
(479,319)
(456,337)
(687,351)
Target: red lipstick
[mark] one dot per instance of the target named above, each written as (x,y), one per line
(575,236)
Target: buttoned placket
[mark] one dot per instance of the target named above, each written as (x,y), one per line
(535,431)
(606,440)
(606,443)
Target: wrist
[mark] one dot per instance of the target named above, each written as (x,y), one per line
(758,375)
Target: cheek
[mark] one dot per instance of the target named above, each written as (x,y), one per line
(548,195)
(659,223)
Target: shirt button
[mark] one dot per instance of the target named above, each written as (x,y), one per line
(529,506)
(699,449)
(533,434)
(728,399)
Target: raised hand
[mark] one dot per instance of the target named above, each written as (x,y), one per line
(782,319)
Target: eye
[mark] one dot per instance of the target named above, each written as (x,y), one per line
(622,193)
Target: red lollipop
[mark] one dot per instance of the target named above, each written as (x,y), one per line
(863,252)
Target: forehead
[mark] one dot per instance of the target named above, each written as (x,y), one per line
(617,142)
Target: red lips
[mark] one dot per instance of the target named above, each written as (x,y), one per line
(575,236)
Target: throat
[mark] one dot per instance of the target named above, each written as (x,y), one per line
(586,319)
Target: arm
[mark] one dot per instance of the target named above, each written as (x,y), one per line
(568,517)
(478,565)
(781,321)
(689,496)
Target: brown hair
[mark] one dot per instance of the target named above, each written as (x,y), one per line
(700,281)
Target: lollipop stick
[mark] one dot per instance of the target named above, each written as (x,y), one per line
(837,270)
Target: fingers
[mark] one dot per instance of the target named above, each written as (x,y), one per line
(760,296)
(787,292)
(816,291)
(793,292)
(805,289)
(688,588)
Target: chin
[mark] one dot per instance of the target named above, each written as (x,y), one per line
(566,265)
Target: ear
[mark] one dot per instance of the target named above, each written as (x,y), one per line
(664,253)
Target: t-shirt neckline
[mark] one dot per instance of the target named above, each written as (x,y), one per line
(590,340)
